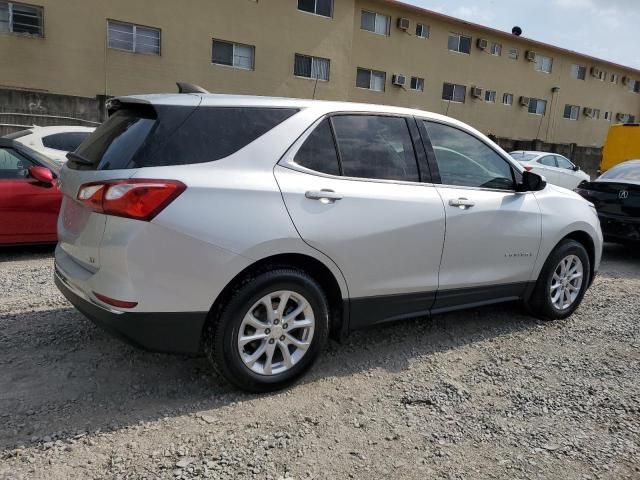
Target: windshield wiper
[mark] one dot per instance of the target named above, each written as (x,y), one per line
(79,158)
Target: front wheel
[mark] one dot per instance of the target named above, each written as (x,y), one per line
(270,332)
(562,283)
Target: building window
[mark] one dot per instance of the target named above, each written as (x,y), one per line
(459,43)
(490,96)
(375,22)
(319,7)
(496,49)
(595,114)
(422,30)
(607,116)
(614,78)
(636,86)
(571,112)
(507,99)
(133,38)
(371,79)
(311,67)
(543,64)
(514,53)
(578,72)
(537,106)
(417,84)
(19,18)
(232,54)
(454,93)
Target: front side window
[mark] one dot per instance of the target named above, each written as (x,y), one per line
(543,64)
(507,99)
(571,112)
(318,152)
(422,30)
(371,79)
(311,67)
(578,72)
(375,147)
(375,22)
(459,43)
(66,141)
(417,84)
(467,161)
(454,93)
(564,163)
(537,106)
(319,7)
(548,161)
(13,165)
(232,54)
(490,96)
(133,38)
(21,18)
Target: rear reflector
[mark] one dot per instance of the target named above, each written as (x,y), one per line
(114,302)
(140,199)
(528,168)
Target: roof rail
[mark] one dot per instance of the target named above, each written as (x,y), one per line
(185,87)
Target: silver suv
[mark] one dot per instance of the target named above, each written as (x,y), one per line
(253,228)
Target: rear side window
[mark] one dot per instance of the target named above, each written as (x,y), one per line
(66,142)
(375,147)
(549,161)
(318,152)
(148,137)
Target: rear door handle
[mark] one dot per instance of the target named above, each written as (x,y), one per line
(462,203)
(325,196)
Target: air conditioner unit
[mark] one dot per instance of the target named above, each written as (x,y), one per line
(588,112)
(399,79)
(596,72)
(531,56)
(482,43)
(476,92)
(524,101)
(403,23)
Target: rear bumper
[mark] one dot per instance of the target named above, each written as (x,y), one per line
(174,332)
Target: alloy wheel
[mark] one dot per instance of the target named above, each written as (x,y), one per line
(566,282)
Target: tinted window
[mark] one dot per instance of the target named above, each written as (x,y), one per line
(143,137)
(629,172)
(13,164)
(375,147)
(319,152)
(465,160)
(564,163)
(549,161)
(66,142)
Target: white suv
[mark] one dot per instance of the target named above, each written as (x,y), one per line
(252,228)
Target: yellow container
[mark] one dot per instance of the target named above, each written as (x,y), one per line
(622,144)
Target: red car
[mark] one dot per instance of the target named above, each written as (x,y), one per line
(29,195)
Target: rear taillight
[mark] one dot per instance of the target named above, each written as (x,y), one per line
(140,199)
(528,168)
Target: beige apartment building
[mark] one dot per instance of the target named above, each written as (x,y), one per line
(375,51)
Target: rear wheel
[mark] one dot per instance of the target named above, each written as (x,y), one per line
(562,283)
(270,332)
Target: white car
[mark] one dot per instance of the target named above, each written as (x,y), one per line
(555,168)
(251,228)
(52,142)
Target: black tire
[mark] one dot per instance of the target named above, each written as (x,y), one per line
(540,304)
(221,333)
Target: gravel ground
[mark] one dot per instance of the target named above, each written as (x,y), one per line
(486,393)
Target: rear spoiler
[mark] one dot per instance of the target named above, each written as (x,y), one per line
(114,104)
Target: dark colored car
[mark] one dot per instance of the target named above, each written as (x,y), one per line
(616,196)
(29,195)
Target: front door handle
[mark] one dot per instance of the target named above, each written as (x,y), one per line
(325,195)
(462,203)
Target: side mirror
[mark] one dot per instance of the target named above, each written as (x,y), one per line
(41,174)
(531,182)
(576,168)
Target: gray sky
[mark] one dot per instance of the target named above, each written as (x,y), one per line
(602,28)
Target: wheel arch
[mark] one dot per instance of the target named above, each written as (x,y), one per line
(588,243)
(312,266)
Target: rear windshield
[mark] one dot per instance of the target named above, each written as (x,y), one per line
(522,156)
(156,137)
(629,172)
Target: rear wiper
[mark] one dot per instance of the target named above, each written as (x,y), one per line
(79,158)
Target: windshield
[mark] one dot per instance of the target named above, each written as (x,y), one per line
(628,172)
(523,157)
